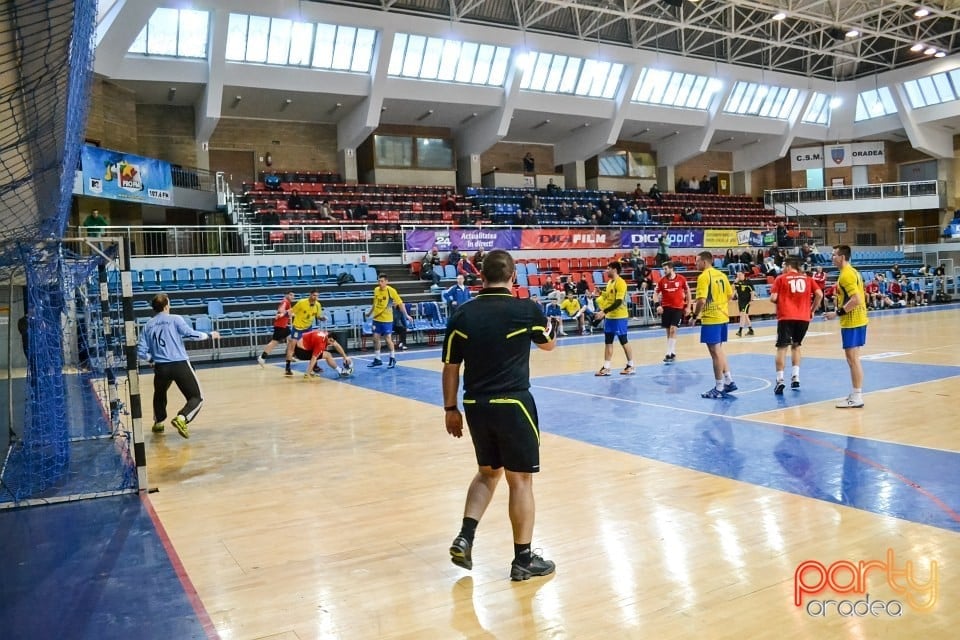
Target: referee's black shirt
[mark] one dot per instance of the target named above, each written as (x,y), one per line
(491,336)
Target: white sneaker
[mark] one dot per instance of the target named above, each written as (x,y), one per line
(261,361)
(850,403)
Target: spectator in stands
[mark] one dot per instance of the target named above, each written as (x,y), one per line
(571,305)
(635,259)
(656,194)
(638,192)
(325,213)
(896,294)
(548,291)
(759,259)
(915,292)
(526,201)
(783,238)
(478,259)
(692,215)
(552,189)
(704,185)
(583,285)
(361,211)
(468,271)
(529,164)
(681,185)
(94,224)
(448,202)
(454,256)
(729,258)
(746,257)
(271,182)
(663,249)
(430,260)
(895,272)
(806,252)
(872,291)
(456,295)
(643,277)
(295,201)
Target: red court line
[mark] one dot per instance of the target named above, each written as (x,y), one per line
(188,588)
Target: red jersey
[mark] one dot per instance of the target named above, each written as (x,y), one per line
(820,277)
(282,321)
(671,291)
(871,287)
(315,342)
(794,296)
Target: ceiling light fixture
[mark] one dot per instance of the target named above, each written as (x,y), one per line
(426,114)
(236,101)
(780,15)
(541,124)
(922,12)
(916,47)
(940,54)
(852,33)
(171,94)
(669,135)
(929,51)
(468,118)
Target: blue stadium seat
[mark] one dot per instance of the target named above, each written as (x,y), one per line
(215,308)
(183,279)
(199,277)
(215,277)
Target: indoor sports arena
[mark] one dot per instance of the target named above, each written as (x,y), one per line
(261,261)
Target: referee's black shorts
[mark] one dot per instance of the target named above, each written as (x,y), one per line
(505,431)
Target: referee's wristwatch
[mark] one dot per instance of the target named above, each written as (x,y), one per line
(452,408)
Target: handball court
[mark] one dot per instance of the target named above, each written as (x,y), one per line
(323,509)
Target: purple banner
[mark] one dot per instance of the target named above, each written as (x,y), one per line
(650,238)
(463,239)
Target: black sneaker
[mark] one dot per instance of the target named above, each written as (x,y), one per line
(739,333)
(795,384)
(750,331)
(536,567)
(288,372)
(377,362)
(460,552)
(778,390)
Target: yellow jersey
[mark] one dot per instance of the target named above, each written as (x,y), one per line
(382,311)
(850,283)
(570,305)
(616,290)
(714,287)
(304,313)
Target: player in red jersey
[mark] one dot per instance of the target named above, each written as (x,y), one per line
(313,345)
(672,296)
(797,297)
(281,327)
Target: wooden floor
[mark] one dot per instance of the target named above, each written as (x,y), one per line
(324,509)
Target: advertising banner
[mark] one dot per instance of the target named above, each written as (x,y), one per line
(721,238)
(463,239)
(869,152)
(649,239)
(803,158)
(570,239)
(123,176)
(838,155)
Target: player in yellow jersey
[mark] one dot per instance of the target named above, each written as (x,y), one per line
(614,313)
(713,295)
(382,313)
(303,315)
(852,310)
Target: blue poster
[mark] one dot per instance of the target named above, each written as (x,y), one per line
(123,176)
(649,238)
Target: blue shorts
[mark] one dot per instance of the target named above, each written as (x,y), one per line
(383,328)
(713,333)
(617,327)
(296,334)
(854,337)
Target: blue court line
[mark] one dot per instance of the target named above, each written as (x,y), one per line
(658,414)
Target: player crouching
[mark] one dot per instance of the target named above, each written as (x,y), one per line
(314,345)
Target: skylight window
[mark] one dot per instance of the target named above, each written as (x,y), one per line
(555,73)
(279,41)
(935,89)
(818,111)
(429,58)
(874,103)
(753,99)
(675,89)
(176,33)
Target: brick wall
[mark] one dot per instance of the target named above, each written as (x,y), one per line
(508,156)
(112,117)
(167,132)
(291,145)
(702,165)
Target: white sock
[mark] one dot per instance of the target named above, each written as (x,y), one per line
(780,376)
(857,393)
(606,364)
(629,363)
(671,345)
(727,377)
(796,372)
(719,385)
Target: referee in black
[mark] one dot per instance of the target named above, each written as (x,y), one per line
(490,336)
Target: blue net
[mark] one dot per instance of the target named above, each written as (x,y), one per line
(67,438)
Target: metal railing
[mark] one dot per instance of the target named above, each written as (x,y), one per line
(885,190)
(225,240)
